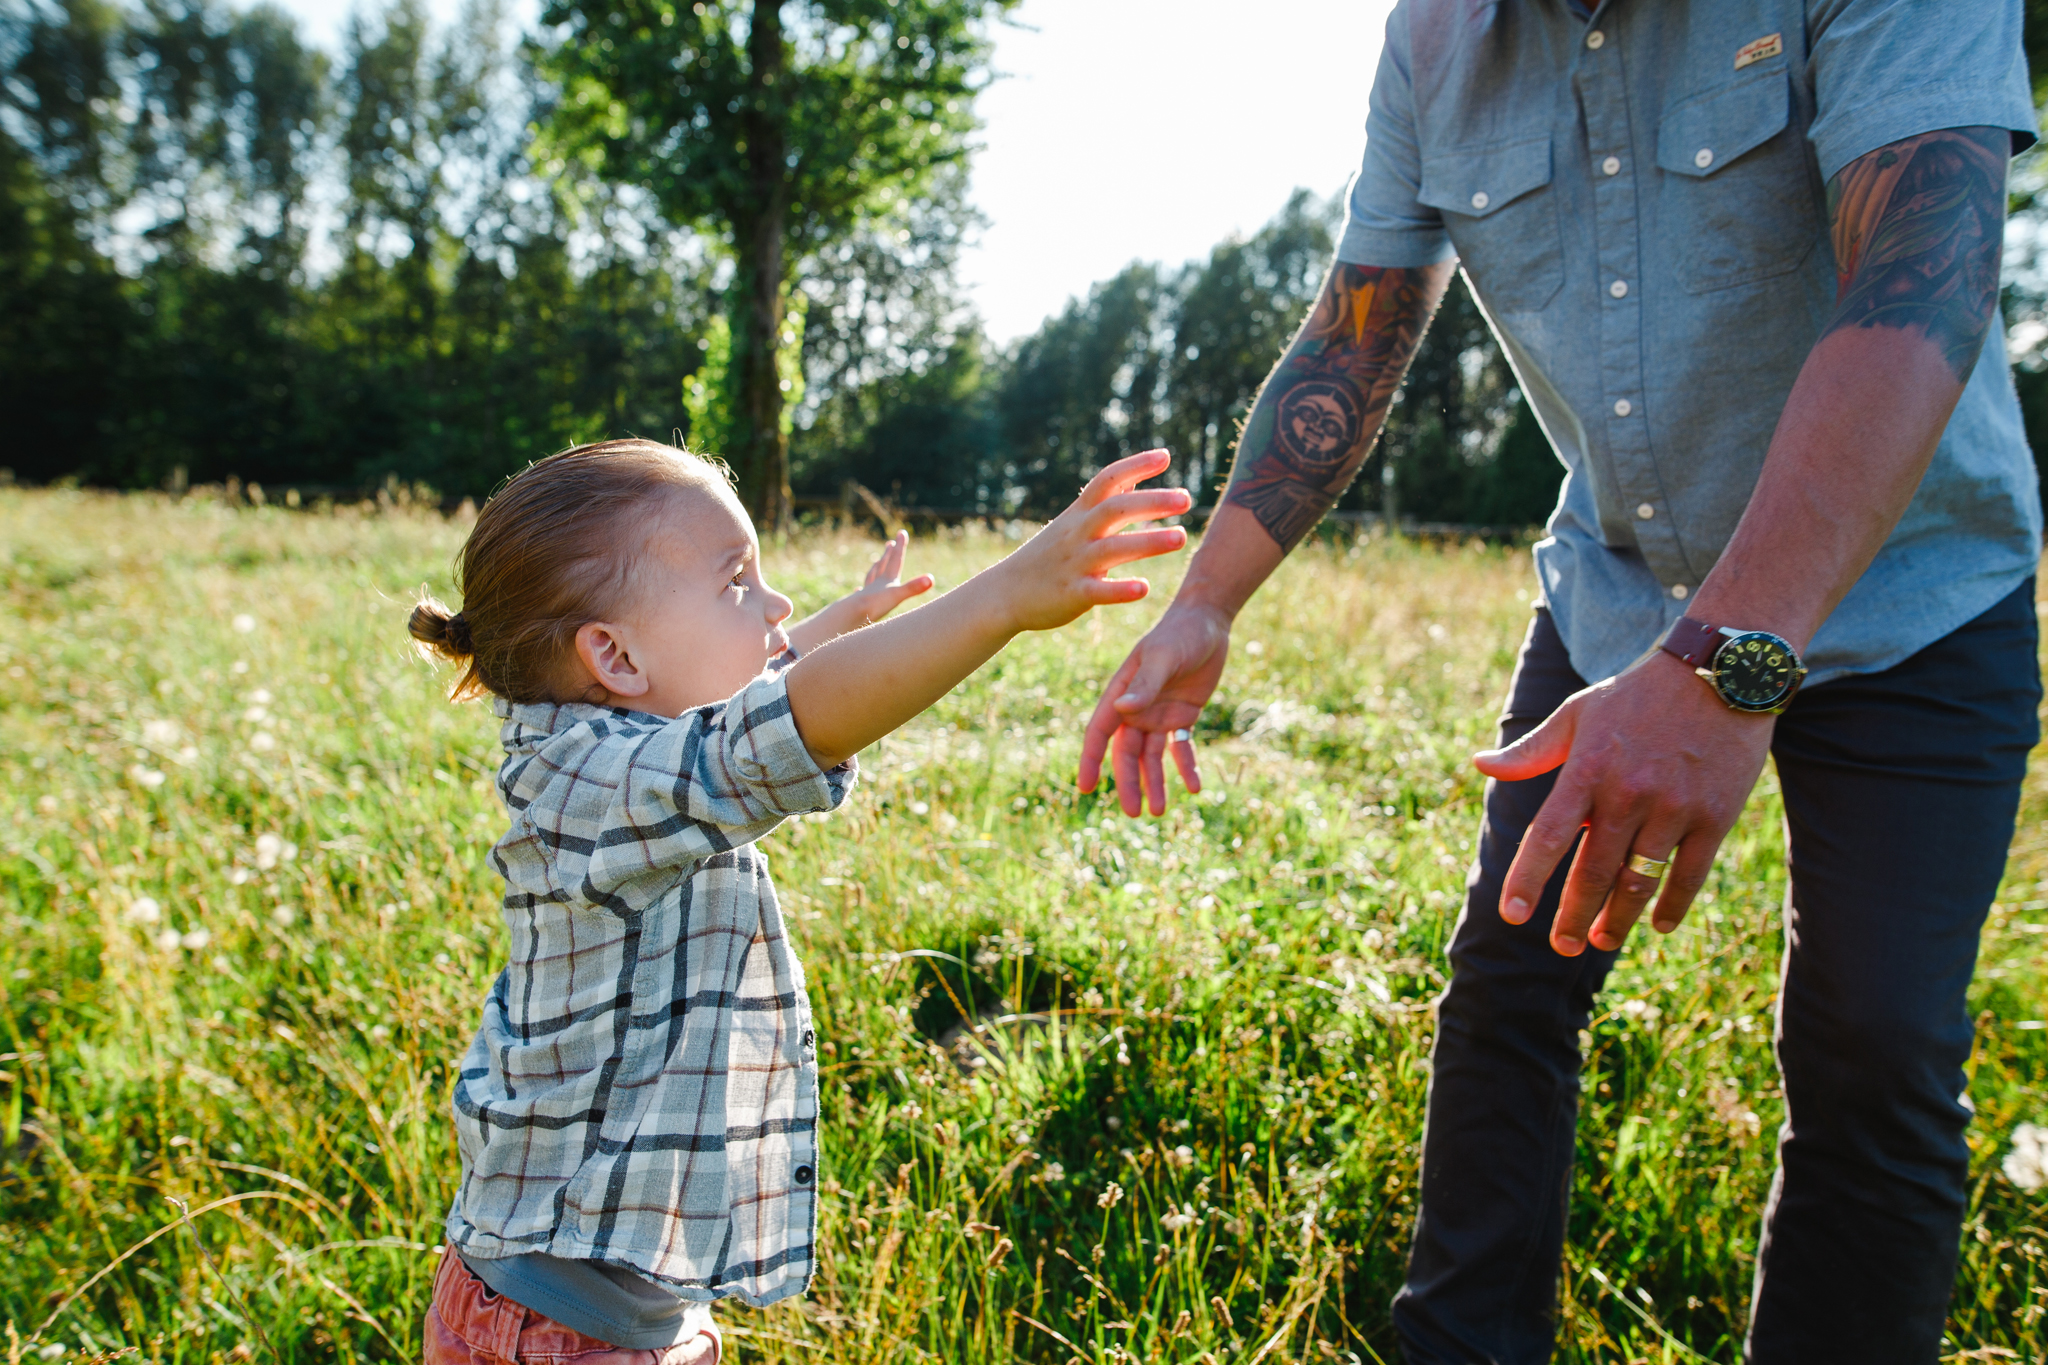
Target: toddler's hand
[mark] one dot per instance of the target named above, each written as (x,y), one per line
(1063,570)
(881,592)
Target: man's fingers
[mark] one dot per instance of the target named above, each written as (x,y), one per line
(1633,889)
(1123,761)
(1122,474)
(1545,842)
(1544,748)
(1155,772)
(1609,835)
(1104,724)
(1687,874)
(1183,751)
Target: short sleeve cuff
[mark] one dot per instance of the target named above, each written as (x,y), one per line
(1843,135)
(1407,250)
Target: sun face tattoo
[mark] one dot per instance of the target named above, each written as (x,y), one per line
(1917,229)
(1316,417)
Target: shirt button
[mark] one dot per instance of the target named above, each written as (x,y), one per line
(1595,39)
(1703,158)
(1612,165)
(1480,201)
(1622,407)
(1679,590)
(804,1175)
(1644,512)
(809,1038)
(1619,289)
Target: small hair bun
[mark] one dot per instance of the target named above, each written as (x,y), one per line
(445,632)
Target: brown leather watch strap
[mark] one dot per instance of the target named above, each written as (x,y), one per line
(1692,641)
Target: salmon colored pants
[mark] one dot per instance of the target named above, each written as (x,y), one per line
(470,1324)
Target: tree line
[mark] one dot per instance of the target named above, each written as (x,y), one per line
(436,255)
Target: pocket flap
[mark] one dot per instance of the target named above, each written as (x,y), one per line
(1702,134)
(1477,183)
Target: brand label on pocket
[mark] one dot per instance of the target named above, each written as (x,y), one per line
(1758,50)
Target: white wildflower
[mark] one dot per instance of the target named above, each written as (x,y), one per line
(1176,1219)
(194,939)
(269,848)
(52,1350)
(283,916)
(2026,1165)
(379,1032)
(255,715)
(1183,1157)
(1642,1011)
(261,696)
(160,732)
(1110,1197)
(1373,941)
(47,805)
(145,777)
(1054,1172)
(239,666)
(188,753)
(143,910)
(1134,888)
(244,623)
(240,876)
(168,940)
(919,808)
(262,741)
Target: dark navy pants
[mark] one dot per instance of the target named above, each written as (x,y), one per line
(1900,791)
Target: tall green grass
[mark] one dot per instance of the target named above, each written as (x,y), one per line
(1094,1089)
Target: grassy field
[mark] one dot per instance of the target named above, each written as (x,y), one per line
(245,925)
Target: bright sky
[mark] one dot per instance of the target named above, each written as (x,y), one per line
(1135,130)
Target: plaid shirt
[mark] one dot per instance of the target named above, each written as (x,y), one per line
(644,1089)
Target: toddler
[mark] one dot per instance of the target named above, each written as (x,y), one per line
(638,1112)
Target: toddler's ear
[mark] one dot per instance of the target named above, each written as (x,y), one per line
(601,654)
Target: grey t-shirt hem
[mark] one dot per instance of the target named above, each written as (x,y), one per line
(608,1302)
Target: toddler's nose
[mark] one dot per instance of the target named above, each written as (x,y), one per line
(779,607)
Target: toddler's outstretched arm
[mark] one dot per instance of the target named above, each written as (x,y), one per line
(852,691)
(882,592)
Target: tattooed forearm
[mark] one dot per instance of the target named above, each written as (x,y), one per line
(1320,409)
(1916,229)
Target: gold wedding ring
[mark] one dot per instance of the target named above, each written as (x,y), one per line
(1183,736)
(1653,868)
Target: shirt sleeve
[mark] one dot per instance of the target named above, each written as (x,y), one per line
(646,801)
(1385,223)
(1884,70)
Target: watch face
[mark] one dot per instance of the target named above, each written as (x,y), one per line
(1756,671)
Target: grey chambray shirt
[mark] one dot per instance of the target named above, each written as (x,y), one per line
(643,1091)
(1639,201)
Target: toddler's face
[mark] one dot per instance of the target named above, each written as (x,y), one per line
(704,622)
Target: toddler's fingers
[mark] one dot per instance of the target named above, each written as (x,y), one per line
(1121,475)
(1111,551)
(1107,592)
(1147,504)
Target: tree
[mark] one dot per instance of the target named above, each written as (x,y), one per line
(784,124)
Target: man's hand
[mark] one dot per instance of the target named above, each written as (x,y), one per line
(1159,689)
(1304,439)
(1653,764)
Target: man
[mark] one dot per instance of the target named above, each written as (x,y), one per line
(1743,255)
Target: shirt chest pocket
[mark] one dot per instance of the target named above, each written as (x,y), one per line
(1500,210)
(1736,197)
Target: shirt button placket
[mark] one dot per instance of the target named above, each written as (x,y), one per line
(1625,434)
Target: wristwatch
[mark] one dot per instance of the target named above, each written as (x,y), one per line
(1750,670)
